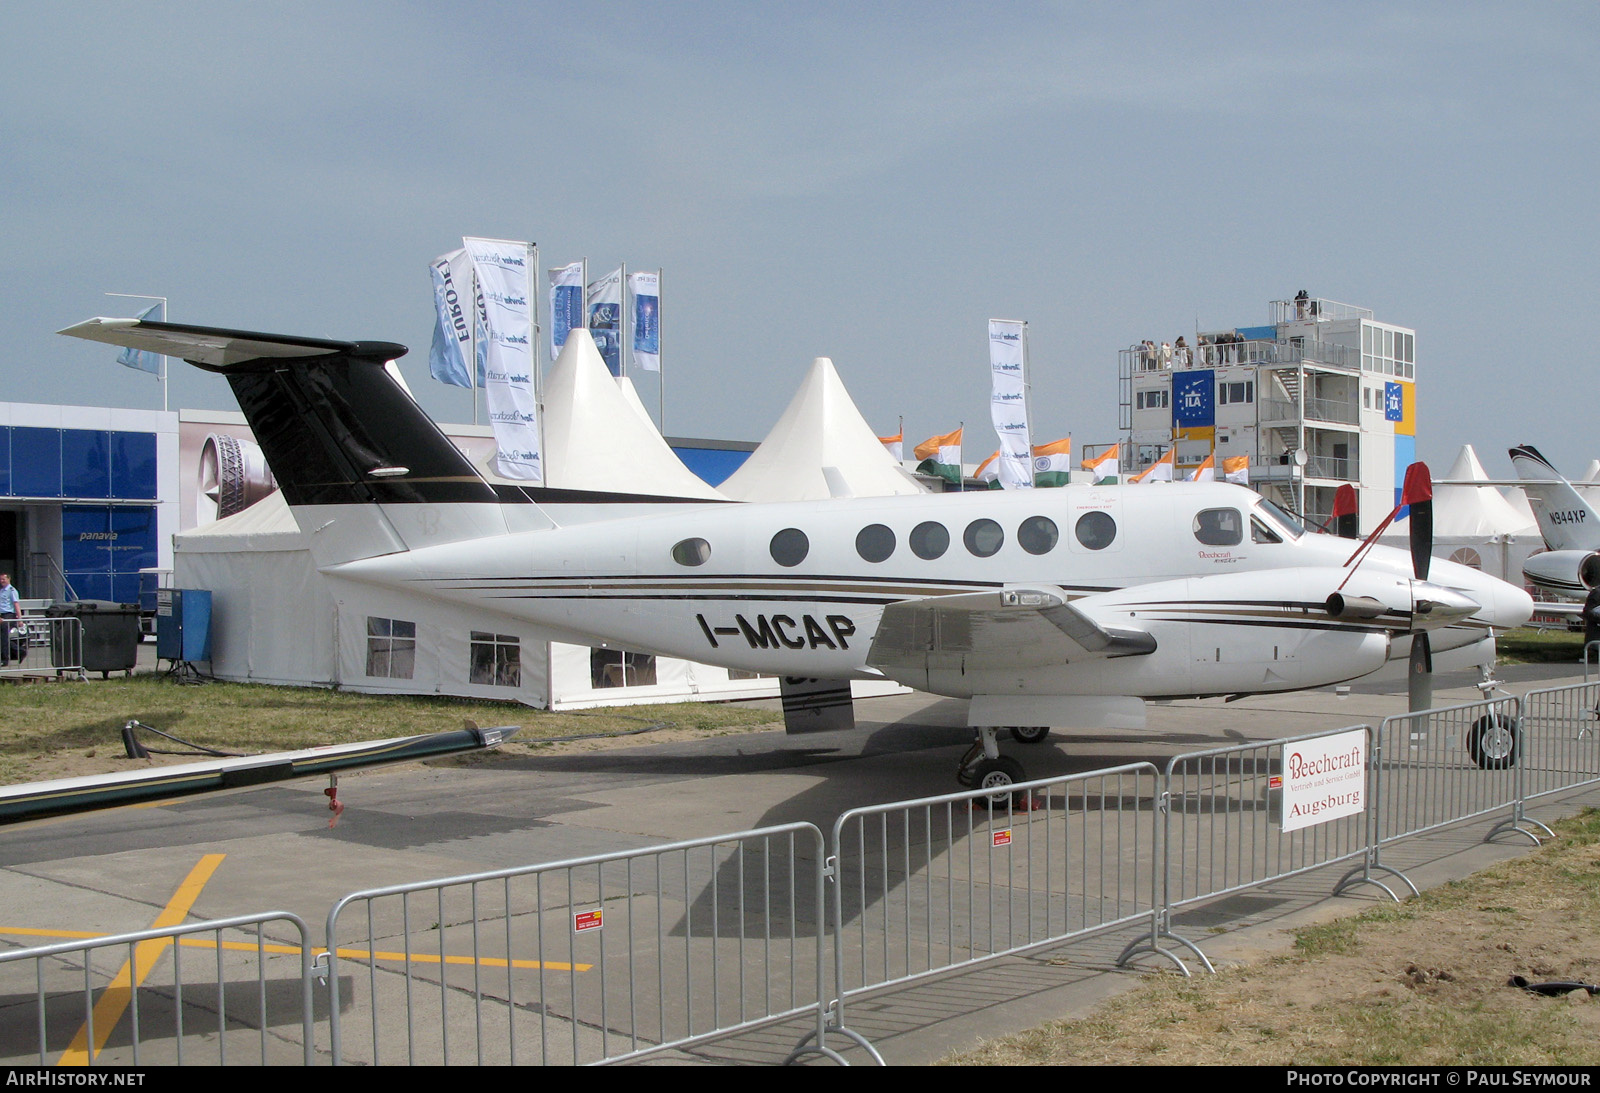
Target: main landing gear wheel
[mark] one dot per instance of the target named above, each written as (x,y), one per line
(1030,734)
(1492,742)
(998,774)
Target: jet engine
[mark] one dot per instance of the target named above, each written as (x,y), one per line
(1574,572)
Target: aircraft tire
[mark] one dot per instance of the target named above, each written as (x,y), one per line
(1030,734)
(1492,742)
(997,774)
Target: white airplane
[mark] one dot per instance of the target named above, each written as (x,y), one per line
(1059,607)
(1569,524)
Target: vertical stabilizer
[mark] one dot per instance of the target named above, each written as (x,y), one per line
(1566,520)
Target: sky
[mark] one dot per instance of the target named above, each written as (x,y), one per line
(865,181)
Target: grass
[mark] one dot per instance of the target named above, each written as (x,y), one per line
(1527,645)
(49,727)
(1347,994)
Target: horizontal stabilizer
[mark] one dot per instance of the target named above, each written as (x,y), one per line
(218,348)
(36,800)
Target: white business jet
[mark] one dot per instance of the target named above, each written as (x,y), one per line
(1569,524)
(1059,607)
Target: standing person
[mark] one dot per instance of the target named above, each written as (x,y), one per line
(10,610)
(1591,620)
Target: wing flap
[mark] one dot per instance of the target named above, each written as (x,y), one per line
(1019,627)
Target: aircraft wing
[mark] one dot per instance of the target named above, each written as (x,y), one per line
(62,796)
(1010,626)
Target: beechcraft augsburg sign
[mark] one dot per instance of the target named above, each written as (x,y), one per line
(1324,779)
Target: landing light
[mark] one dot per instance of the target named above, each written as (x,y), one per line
(1027,597)
(388,472)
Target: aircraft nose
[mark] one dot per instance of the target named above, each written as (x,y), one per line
(1511,606)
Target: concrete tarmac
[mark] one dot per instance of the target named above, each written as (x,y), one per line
(117,871)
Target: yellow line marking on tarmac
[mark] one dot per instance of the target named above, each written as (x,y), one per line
(114,999)
(344,954)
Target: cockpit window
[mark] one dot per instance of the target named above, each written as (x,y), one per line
(1261,533)
(1095,530)
(1288,524)
(1219,527)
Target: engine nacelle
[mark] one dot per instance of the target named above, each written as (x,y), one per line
(1573,572)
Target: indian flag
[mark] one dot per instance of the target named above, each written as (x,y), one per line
(1205,472)
(1159,471)
(1052,463)
(989,471)
(940,456)
(1236,469)
(895,446)
(1105,465)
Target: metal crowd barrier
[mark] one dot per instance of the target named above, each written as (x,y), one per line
(927,886)
(44,644)
(1559,744)
(1438,767)
(594,959)
(217,989)
(1222,832)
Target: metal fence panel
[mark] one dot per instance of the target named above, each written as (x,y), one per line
(1224,824)
(587,960)
(1437,767)
(925,886)
(215,993)
(41,645)
(1559,745)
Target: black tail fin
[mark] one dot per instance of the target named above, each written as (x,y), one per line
(335,427)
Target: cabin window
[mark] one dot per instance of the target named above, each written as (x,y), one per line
(875,542)
(984,537)
(1038,535)
(496,659)
(1095,530)
(790,547)
(391,648)
(929,540)
(692,552)
(1219,527)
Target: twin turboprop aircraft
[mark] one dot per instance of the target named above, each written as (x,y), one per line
(1059,607)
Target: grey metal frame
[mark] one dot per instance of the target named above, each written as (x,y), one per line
(724,896)
(956,884)
(53,965)
(62,642)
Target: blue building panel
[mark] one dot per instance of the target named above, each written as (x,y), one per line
(133,466)
(35,462)
(5,461)
(85,463)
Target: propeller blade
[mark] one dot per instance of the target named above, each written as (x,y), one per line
(1419,674)
(1418,493)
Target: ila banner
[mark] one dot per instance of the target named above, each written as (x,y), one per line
(1008,403)
(503,269)
(646,289)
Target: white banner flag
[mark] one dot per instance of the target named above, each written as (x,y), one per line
(504,270)
(566,304)
(1008,403)
(605,319)
(452,327)
(646,289)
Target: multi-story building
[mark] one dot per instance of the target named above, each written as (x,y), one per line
(1321,396)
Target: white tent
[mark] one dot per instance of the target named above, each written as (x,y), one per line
(821,447)
(1478,525)
(595,438)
